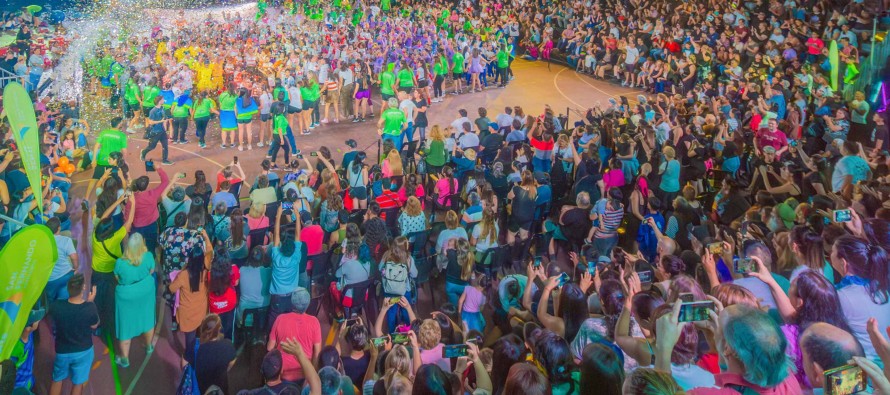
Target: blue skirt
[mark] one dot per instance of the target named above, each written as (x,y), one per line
(227,120)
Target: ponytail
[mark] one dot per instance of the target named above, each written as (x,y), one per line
(868,261)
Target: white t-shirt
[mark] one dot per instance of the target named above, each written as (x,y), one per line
(407,106)
(632,55)
(65,247)
(266,103)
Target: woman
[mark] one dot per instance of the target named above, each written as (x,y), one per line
(459,270)
(485,238)
(362,94)
(256,218)
(809,253)
(228,122)
(256,276)
(412,187)
(412,219)
(556,361)
(310,92)
(429,337)
(602,372)
(446,188)
(435,156)
(354,266)
(476,67)
(668,267)
(204,107)
(191,284)
(392,165)
(670,175)
(421,104)
(648,381)
(200,189)
(571,310)
(790,182)
(211,355)
(245,110)
(357,179)
(607,215)
(397,270)
(181,110)
(452,230)
(106,250)
(864,287)
(522,207)
(145,203)
(237,242)
(223,278)
(134,298)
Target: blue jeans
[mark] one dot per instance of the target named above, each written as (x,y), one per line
(150,234)
(604,246)
(454,291)
(396,140)
(396,315)
(58,289)
(409,133)
(541,164)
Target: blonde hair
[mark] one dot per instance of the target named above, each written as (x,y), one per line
(669,152)
(398,362)
(257,210)
(730,294)
(412,207)
(429,334)
(395,162)
(465,258)
(451,220)
(487,228)
(782,241)
(436,133)
(135,249)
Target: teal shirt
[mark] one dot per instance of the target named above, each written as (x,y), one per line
(670,179)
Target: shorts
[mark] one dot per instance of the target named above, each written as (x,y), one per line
(308,105)
(265,117)
(406,89)
(386,97)
(514,224)
(629,67)
(75,365)
(423,84)
(129,111)
(332,96)
(146,110)
(294,110)
(457,75)
(360,193)
(245,121)
(365,94)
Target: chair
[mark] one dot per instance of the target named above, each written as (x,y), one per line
(408,161)
(320,278)
(257,237)
(359,297)
(235,189)
(272,211)
(252,325)
(424,274)
(391,216)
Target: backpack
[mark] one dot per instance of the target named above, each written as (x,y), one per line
(395,278)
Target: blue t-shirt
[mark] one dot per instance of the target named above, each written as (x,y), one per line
(157,114)
(850,165)
(670,179)
(224,196)
(286,269)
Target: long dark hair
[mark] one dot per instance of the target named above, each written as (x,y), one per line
(237,227)
(201,185)
(195,268)
(602,372)
(867,261)
(220,275)
(508,351)
(820,301)
(612,300)
(877,231)
(572,309)
(556,357)
(108,196)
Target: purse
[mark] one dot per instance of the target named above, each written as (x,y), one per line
(188,385)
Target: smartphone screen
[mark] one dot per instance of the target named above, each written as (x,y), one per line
(399,338)
(743,265)
(591,269)
(313,153)
(715,248)
(454,350)
(845,380)
(351,322)
(695,311)
(563,278)
(843,215)
(378,341)
(395,300)
(537,261)
(149,166)
(645,276)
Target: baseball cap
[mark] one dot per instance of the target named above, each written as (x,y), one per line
(300,299)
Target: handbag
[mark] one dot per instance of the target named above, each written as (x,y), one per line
(188,384)
(422,166)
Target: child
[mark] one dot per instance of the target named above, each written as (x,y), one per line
(23,352)
(471,302)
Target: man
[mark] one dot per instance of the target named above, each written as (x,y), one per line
(772,137)
(271,371)
(505,120)
(880,136)
(759,251)
(748,340)
(66,265)
(467,137)
(823,347)
(23,352)
(392,123)
(386,79)
(407,106)
(75,318)
(457,70)
(503,61)
(157,133)
(458,123)
(299,326)
(859,109)
(347,89)
(631,57)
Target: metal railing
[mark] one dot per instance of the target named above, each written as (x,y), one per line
(7,76)
(869,68)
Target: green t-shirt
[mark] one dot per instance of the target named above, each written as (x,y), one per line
(202,109)
(458,61)
(393,118)
(440,68)
(277,91)
(149,95)
(387,78)
(311,93)
(131,93)
(109,140)
(279,124)
(406,78)
(503,59)
(227,101)
(183,110)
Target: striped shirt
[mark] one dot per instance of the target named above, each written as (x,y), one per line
(610,220)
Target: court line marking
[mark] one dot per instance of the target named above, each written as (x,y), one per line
(555,85)
(180,149)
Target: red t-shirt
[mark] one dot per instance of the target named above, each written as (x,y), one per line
(226,302)
(776,139)
(312,235)
(303,328)
(542,145)
(388,200)
(220,178)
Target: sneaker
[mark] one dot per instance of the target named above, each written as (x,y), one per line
(85,205)
(273,167)
(260,144)
(202,145)
(183,141)
(167,163)
(240,148)
(324,120)
(354,120)
(249,147)
(336,120)
(142,155)
(149,349)
(306,133)
(268,156)
(174,142)
(122,362)
(223,146)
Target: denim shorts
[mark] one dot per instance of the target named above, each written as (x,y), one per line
(75,365)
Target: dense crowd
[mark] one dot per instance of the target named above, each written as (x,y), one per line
(724,232)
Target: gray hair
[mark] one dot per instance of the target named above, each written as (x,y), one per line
(583,200)
(392,102)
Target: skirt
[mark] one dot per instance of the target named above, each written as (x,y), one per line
(227,120)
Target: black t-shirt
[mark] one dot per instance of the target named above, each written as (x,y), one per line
(880,132)
(453,270)
(212,366)
(523,208)
(492,143)
(420,120)
(355,368)
(576,222)
(74,332)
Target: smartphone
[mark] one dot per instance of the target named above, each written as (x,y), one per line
(563,278)
(537,261)
(695,311)
(743,265)
(287,205)
(845,215)
(716,248)
(399,338)
(235,160)
(454,350)
(687,297)
(379,341)
(351,322)
(645,276)
(591,269)
(845,380)
(313,153)
(149,166)
(395,300)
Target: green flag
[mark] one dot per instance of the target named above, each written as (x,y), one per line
(23,122)
(25,265)
(833,60)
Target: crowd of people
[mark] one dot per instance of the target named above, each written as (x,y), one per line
(726,231)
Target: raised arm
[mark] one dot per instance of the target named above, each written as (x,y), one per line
(294,348)
(131,213)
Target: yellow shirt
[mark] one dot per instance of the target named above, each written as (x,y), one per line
(103,262)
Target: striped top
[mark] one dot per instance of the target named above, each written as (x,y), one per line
(611,220)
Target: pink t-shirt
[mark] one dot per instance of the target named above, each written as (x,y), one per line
(303,328)
(419,193)
(444,191)
(434,356)
(473,300)
(312,236)
(614,178)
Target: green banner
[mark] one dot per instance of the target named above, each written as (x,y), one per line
(20,111)
(833,60)
(25,265)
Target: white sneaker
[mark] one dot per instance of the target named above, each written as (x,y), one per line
(324,120)
(260,144)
